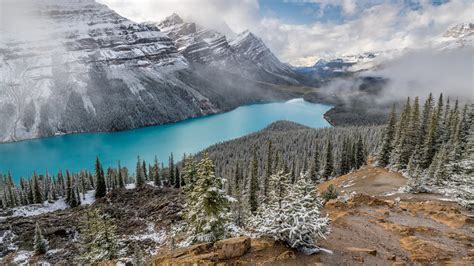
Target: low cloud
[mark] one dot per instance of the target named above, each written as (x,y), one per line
(418,73)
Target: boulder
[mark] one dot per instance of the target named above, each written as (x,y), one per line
(423,250)
(232,247)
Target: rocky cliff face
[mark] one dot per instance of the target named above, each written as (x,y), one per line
(78,66)
(245,55)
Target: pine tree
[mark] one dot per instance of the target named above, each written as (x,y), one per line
(69,191)
(38,196)
(74,199)
(40,243)
(268,169)
(345,166)
(140,176)
(400,156)
(207,206)
(330,193)
(177,177)
(98,238)
(440,173)
(425,120)
(411,134)
(156,173)
(101,188)
(329,165)
(253,199)
(171,177)
(145,176)
(190,173)
(359,154)
(291,214)
(430,146)
(121,182)
(314,172)
(387,144)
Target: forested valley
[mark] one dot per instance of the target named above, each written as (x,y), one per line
(244,186)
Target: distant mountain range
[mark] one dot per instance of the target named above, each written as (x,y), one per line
(457,37)
(80,67)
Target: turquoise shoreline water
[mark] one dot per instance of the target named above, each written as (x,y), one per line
(78,151)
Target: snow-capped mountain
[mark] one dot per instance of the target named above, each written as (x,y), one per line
(246,54)
(78,66)
(457,37)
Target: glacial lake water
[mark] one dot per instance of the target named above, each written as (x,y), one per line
(78,151)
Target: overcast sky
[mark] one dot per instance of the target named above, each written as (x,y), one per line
(302,31)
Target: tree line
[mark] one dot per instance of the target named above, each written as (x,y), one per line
(432,145)
(73,187)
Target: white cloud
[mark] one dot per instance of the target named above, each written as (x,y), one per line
(238,14)
(377,28)
(423,71)
(385,26)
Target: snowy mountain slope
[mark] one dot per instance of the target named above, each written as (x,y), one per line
(457,37)
(78,66)
(246,54)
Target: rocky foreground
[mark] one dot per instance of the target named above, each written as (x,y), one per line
(367,229)
(373,223)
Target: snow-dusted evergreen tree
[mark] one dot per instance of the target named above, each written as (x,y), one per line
(315,167)
(330,193)
(120,179)
(207,205)
(387,143)
(37,191)
(101,188)
(155,170)
(171,173)
(268,170)
(291,214)
(253,196)
(329,165)
(98,239)
(40,243)
(139,174)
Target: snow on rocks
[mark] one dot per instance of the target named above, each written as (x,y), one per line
(37,209)
(159,237)
(130,186)
(22,257)
(88,198)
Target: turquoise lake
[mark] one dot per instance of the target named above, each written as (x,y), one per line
(78,151)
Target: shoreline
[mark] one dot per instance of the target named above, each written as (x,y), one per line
(159,124)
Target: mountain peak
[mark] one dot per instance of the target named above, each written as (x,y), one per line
(460,30)
(172,20)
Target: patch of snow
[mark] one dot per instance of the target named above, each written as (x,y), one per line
(130,186)
(88,198)
(37,209)
(348,183)
(22,257)
(158,237)
(54,251)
